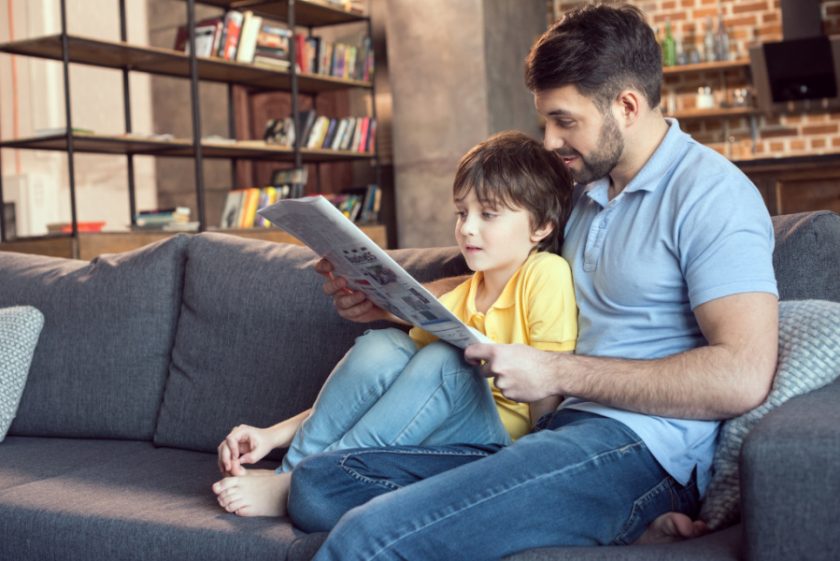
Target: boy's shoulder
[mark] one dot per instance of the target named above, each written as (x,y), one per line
(544,263)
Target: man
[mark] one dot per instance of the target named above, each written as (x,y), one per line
(671,252)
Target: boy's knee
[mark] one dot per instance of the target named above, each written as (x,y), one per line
(383,341)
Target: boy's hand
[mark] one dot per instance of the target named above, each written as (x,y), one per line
(244,445)
(352,305)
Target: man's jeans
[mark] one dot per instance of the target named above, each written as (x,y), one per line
(582,480)
(386,392)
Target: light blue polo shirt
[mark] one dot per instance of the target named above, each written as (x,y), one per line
(689,228)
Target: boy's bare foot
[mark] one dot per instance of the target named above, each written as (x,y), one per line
(673,527)
(257,493)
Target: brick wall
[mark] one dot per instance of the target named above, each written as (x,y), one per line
(748,22)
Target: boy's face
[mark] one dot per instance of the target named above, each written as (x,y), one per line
(588,140)
(495,240)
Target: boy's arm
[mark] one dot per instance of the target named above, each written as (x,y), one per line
(354,305)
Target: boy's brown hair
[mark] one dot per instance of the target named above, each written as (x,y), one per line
(513,170)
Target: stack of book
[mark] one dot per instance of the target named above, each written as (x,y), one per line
(355,134)
(316,55)
(176,219)
(240,37)
(241,206)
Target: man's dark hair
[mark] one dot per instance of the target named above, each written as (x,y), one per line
(513,170)
(602,50)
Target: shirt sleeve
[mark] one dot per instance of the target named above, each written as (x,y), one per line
(551,308)
(726,241)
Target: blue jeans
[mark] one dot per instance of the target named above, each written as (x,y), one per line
(582,480)
(385,392)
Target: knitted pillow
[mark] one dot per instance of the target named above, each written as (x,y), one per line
(20,327)
(809,358)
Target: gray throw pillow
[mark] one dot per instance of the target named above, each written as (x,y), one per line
(20,327)
(809,358)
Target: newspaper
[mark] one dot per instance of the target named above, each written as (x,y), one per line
(367,267)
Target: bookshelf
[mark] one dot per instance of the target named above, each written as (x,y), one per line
(128,58)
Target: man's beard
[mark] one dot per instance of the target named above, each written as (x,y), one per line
(601,162)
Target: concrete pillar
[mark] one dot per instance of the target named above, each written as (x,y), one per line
(456,73)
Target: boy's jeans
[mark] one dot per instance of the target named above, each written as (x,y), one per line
(385,392)
(583,480)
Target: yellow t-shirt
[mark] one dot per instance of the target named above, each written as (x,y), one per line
(537,308)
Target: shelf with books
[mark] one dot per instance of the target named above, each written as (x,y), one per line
(308,13)
(178,148)
(168,62)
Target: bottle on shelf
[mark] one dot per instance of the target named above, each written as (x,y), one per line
(721,41)
(669,46)
(709,41)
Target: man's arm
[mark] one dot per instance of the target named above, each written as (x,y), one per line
(726,378)
(354,305)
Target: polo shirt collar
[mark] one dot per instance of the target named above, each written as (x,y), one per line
(649,178)
(505,300)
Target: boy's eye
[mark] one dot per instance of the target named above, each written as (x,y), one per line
(488,215)
(460,213)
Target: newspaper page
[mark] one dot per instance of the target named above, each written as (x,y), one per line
(367,267)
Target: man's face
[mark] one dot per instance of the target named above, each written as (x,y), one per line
(588,140)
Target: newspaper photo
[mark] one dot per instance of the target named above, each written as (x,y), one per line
(367,267)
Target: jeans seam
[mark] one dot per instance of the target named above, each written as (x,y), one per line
(388,484)
(664,485)
(611,452)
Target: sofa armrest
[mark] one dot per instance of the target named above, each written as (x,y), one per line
(790,480)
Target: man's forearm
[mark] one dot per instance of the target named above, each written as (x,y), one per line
(696,384)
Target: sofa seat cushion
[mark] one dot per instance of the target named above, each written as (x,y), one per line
(101,362)
(97,499)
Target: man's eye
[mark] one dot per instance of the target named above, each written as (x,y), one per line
(564,123)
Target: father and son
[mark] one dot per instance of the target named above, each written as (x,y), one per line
(665,293)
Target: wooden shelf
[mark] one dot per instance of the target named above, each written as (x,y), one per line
(308,13)
(716,113)
(179,148)
(167,62)
(91,245)
(706,67)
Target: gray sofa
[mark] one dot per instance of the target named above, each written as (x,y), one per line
(148,358)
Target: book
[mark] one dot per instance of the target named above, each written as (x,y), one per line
(230,212)
(233,27)
(247,47)
(182,36)
(250,202)
(367,267)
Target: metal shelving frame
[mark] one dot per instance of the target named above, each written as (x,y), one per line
(317,16)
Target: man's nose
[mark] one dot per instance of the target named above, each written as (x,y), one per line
(552,139)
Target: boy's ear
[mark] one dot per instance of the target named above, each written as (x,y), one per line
(541,233)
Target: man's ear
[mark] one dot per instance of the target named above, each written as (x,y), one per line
(628,106)
(541,233)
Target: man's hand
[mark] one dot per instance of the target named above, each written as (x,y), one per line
(521,373)
(244,445)
(352,305)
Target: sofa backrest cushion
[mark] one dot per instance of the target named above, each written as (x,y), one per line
(807,255)
(257,337)
(102,359)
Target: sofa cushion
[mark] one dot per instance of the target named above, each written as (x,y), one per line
(102,359)
(809,358)
(122,500)
(19,330)
(805,259)
(257,337)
